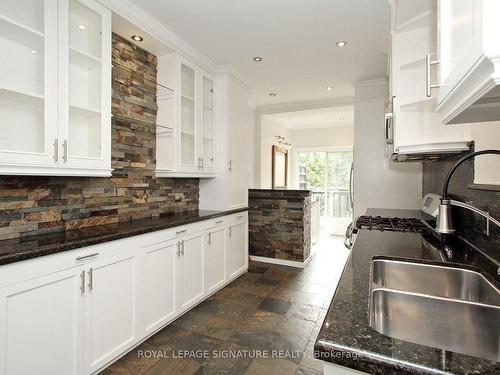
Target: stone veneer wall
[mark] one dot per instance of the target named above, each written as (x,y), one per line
(468,224)
(35,205)
(279,223)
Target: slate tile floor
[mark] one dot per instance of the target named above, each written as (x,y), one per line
(269,308)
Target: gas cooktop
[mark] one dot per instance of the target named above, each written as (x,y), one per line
(393,224)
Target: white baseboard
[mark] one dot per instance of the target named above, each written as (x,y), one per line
(282,262)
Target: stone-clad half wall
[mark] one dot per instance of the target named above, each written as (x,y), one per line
(279,223)
(35,205)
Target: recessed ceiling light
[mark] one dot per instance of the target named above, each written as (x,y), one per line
(81,27)
(257,59)
(137,38)
(329,88)
(341,43)
(272,94)
(34,51)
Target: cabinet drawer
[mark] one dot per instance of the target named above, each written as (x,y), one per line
(46,265)
(239,217)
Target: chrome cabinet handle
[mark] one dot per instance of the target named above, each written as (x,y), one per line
(230,231)
(428,85)
(179,249)
(82,282)
(351,198)
(239,217)
(91,279)
(87,256)
(219,221)
(181,231)
(56,149)
(182,244)
(209,238)
(65,150)
(388,121)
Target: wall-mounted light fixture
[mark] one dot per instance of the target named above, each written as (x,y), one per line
(283,142)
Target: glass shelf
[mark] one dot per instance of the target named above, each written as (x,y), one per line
(21,34)
(83,59)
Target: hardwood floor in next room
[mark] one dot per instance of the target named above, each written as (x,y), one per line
(270,308)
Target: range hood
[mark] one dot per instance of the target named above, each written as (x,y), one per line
(428,152)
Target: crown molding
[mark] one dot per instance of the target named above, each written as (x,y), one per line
(151,25)
(304,105)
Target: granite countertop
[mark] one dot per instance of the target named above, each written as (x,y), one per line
(346,337)
(24,248)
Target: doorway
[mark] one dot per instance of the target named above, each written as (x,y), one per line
(326,173)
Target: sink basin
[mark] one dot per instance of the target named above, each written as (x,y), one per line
(448,308)
(435,280)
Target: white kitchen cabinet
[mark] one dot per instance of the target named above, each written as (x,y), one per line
(78,311)
(111,309)
(230,189)
(189,271)
(42,325)
(186,131)
(160,284)
(469,53)
(414,130)
(55,90)
(214,259)
(236,245)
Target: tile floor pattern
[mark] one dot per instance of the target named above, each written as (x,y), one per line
(269,308)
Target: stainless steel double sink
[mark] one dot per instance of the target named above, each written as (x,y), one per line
(453,309)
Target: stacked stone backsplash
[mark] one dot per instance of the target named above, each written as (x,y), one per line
(279,224)
(36,205)
(471,226)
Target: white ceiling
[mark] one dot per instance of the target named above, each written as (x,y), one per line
(295,38)
(316,118)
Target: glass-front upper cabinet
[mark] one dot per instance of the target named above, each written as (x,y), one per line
(207,124)
(28,84)
(86,117)
(188,116)
(55,88)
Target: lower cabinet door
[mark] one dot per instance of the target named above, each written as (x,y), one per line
(41,325)
(189,269)
(160,284)
(236,254)
(214,259)
(111,310)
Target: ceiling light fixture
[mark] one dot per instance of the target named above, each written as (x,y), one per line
(34,51)
(81,27)
(257,59)
(341,43)
(329,88)
(137,38)
(272,94)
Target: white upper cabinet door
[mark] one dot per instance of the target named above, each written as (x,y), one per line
(237,146)
(236,249)
(189,270)
(469,55)
(460,41)
(207,124)
(41,325)
(85,87)
(187,109)
(111,310)
(28,85)
(160,284)
(214,259)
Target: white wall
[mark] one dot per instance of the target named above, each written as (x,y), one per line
(329,138)
(253,149)
(486,136)
(269,129)
(378,182)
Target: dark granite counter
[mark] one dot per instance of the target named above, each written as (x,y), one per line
(24,248)
(346,337)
